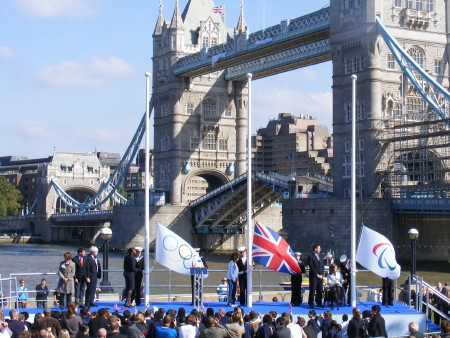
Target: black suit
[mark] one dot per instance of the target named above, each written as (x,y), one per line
(316,267)
(388,291)
(242,280)
(296,285)
(347,281)
(93,272)
(80,278)
(138,280)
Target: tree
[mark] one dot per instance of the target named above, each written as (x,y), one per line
(10,198)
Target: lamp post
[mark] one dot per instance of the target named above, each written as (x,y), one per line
(413,234)
(105,235)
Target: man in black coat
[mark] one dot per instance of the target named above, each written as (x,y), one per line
(138,276)
(296,282)
(344,264)
(377,326)
(242,277)
(316,268)
(93,272)
(80,276)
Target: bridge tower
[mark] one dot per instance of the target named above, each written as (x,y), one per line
(200,122)
(392,118)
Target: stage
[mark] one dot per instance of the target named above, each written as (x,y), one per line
(397,317)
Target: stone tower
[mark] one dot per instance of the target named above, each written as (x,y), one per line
(391,115)
(199,123)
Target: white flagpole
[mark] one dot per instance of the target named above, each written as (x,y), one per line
(249,194)
(353,198)
(147,195)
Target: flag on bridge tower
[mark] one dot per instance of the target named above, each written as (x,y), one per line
(272,251)
(219,9)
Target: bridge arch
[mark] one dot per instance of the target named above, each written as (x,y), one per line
(201,181)
(79,193)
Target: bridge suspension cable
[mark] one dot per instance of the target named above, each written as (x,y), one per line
(108,189)
(437,97)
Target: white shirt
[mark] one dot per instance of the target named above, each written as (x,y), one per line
(334,279)
(188,331)
(232,271)
(296,330)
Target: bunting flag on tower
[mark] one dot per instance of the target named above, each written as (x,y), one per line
(219,9)
(272,251)
(376,253)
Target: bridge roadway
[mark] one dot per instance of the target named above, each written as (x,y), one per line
(290,45)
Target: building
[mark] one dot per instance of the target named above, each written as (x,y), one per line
(293,144)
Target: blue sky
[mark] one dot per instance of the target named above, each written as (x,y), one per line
(72,71)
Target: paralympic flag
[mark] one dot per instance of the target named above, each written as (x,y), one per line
(376,253)
(272,251)
(174,252)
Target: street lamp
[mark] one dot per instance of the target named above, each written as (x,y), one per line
(413,234)
(105,235)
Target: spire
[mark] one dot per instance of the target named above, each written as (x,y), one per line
(160,21)
(241,26)
(177,21)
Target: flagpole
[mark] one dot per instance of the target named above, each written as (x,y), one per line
(353,198)
(249,195)
(147,195)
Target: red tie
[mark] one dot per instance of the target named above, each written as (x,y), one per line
(81,261)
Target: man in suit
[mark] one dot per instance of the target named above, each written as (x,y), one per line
(80,276)
(316,267)
(138,276)
(345,272)
(242,277)
(93,272)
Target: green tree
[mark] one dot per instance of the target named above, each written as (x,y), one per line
(10,199)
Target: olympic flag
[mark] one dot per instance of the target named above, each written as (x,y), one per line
(376,253)
(174,252)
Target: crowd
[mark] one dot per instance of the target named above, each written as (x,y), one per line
(75,323)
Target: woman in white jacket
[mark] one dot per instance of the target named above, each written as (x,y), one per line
(335,281)
(232,277)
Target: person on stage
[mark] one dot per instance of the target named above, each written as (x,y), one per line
(335,281)
(242,266)
(344,265)
(129,272)
(388,292)
(80,276)
(232,278)
(296,282)
(138,276)
(66,284)
(93,272)
(316,268)
(41,294)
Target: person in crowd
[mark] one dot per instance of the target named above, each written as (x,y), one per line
(83,332)
(242,266)
(22,294)
(232,278)
(265,330)
(41,294)
(71,321)
(222,290)
(344,265)
(335,281)
(413,328)
(316,268)
(213,329)
(139,321)
(136,296)
(80,276)
(168,329)
(129,272)
(190,329)
(49,322)
(377,327)
(200,262)
(115,329)
(387,292)
(445,329)
(308,330)
(249,330)
(296,330)
(99,322)
(66,286)
(102,333)
(315,322)
(344,324)
(15,325)
(282,331)
(326,324)
(235,328)
(296,282)
(93,272)
(4,332)
(356,325)
(24,316)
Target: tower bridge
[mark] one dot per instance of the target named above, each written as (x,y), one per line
(200,101)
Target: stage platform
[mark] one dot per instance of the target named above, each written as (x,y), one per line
(397,317)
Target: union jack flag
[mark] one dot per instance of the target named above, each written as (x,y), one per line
(272,251)
(219,9)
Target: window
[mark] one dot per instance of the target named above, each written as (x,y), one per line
(419,5)
(213,42)
(228,110)
(348,112)
(397,111)
(223,144)
(351,3)
(205,42)
(398,3)
(409,3)
(390,62)
(429,5)
(347,66)
(195,141)
(165,143)
(90,170)
(360,114)
(209,107)
(209,142)
(418,55)
(361,145)
(190,108)
(438,69)
(347,146)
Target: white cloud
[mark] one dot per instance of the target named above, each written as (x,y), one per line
(35,129)
(94,74)
(78,9)
(269,102)
(6,53)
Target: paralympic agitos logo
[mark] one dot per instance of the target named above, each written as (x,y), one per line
(386,256)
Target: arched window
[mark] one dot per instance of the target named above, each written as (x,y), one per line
(209,107)
(418,55)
